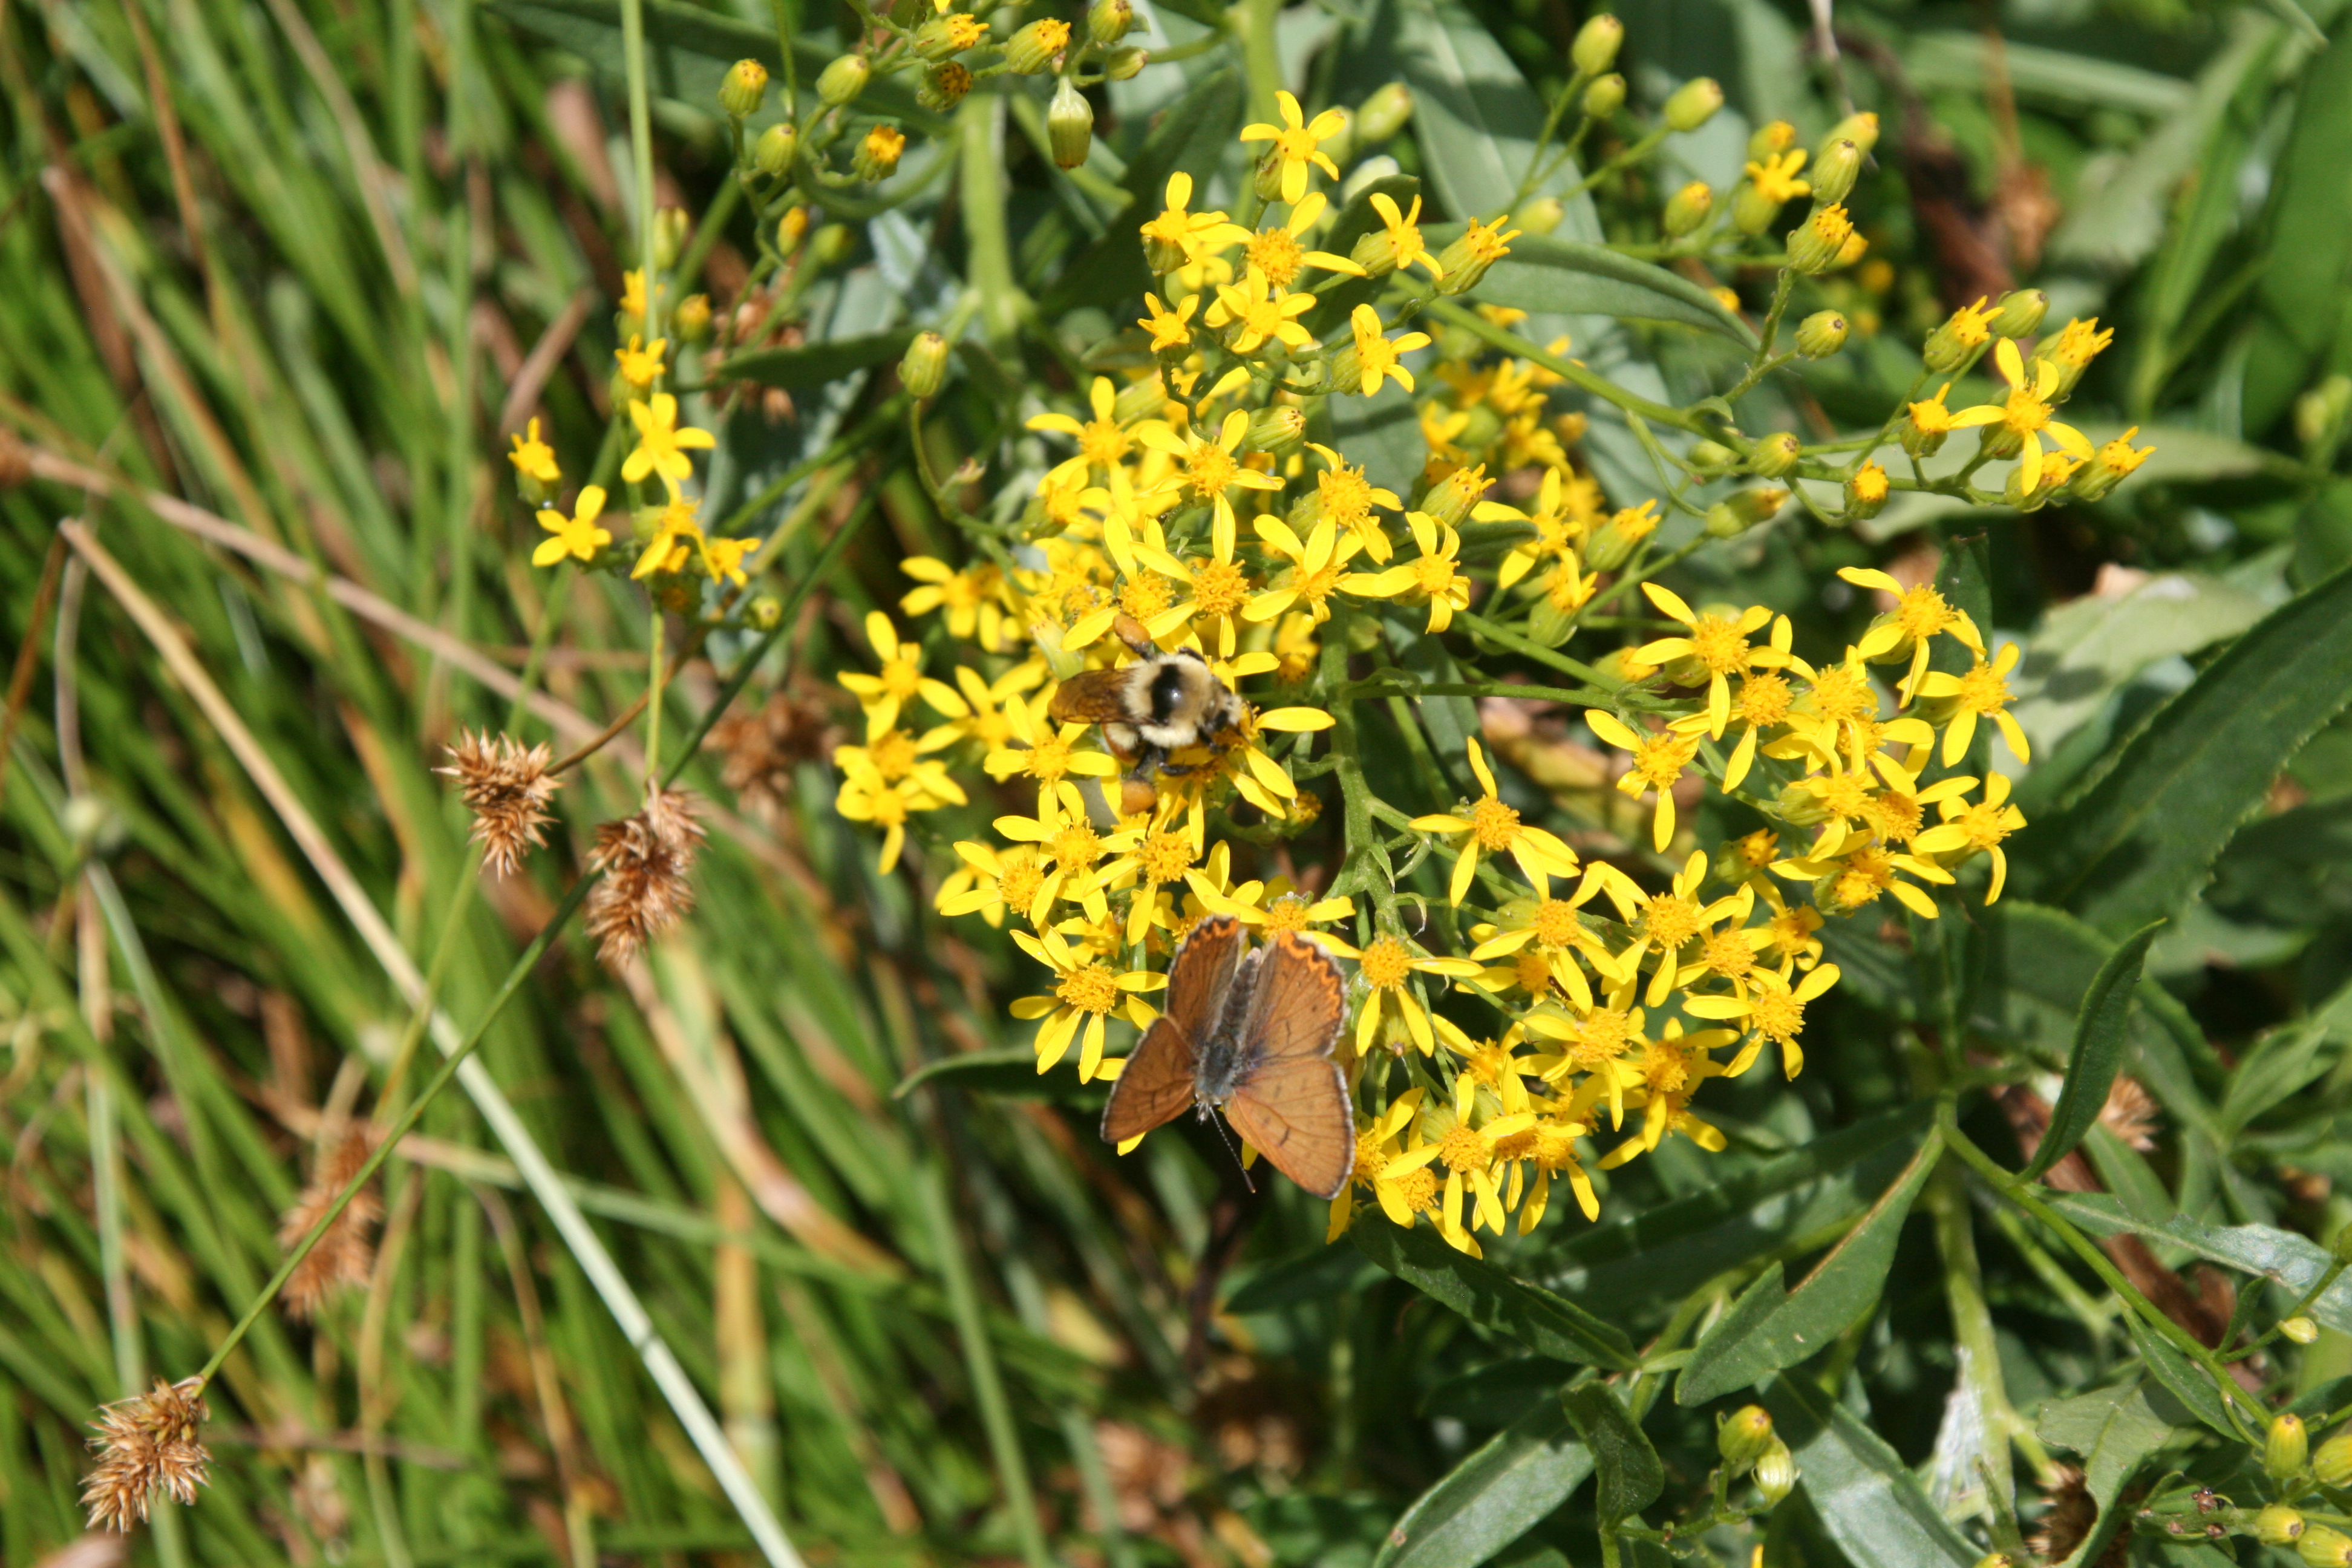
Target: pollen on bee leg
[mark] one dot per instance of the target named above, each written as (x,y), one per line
(1136,795)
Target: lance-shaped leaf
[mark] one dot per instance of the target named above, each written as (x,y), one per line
(1868,1500)
(1631,1474)
(1489,1501)
(814,364)
(2101,1036)
(2113,1430)
(1546,275)
(1543,1322)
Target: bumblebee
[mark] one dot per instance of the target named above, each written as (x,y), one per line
(1162,703)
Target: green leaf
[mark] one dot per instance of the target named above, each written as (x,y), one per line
(1474,115)
(1382,435)
(2182,1378)
(2141,840)
(1546,275)
(2299,298)
(1791,1204)
(1189,136)
(1491,1299)
(1489,1501)
(815,363)
(2293,1263)
(1767,1335)
(1315,1275)
(2100,1036)
(1867,1499)
(2114,1429)
(688,51)
(1630,1475)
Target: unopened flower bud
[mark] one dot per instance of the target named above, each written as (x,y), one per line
(763,612)
(1712,455)
(834,243)
(791,229)
(2279,1525)
(1033,48)
(1542,214)
(1383,114)
(1773,456)
(772,153)
(1449,501)
(745,87)
(2286,1449)
(1070,125)
(944,86)
(1596,45)
(1814,244)
(1770,140)
(1729,518)
(2321,1547)
(1340,145)
(877,154)
(2019,313)
(1109,21)
(2300,1330)
(692,318)
(1753,209)
(1121,65)
(1821,334)
(1687,209)
(2332,1460)
(1959,335)
(1776,1473)
(1605,97)
(1693,105)
(944,36)
(1835,170)
(926,365)
(1862,129)
(1280,430)
(1742,1436)
(2319,413)
(1621,536)
(1865,492)
(1139,399)
(1995,1560)
(843,80)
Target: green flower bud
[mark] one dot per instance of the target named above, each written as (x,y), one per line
(1835,170)
(926,365)
(1347,369)
(1121,65)
(1814,244)
(944,86)
(1712,455)
(1752,211)
(644,523)
(1693,105)
(2300,1329)
(2019,313)
(1621,536)
(2279,1525)
(1450,498)
(791,229)
(843,80)
(1070,125)
(1862,129)
(1605,97)
(1542,214)
(2320,1547)
(771,154)
(1865,492)
(1033,48)
(2319,414)
(2332,1460)
(834,243)
(1383,114)
(1688,208)
(669,237)
(691,319)
(1109,21)
(1995,1560)
(1999,441)
(1730,519)
(1770,140)
(1742,1436)
(1596,45)
(944,36)
(1776,1473)
(1139,399)
(1821,334)
(877,154)
(1340,147)
(1280,429)
(746,85)
(2286,1449)
(763,613)
(1773,456)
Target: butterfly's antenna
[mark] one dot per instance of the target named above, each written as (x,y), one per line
(1218,1123)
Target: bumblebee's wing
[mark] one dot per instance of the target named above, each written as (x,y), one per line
(1090,697)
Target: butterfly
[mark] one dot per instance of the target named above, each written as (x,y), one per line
(1249,1031)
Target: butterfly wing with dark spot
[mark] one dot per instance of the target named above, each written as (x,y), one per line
(1290,1099)
(1155,1085)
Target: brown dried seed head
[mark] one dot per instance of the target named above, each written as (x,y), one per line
(145,1444)
(346,1254)
(507,787)
(762,748)
(2130,1113)
(645,860)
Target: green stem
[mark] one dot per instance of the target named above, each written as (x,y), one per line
(983,195)
(559,595)
(1521,645)
(782,11)
(654,696)
(1601,386)
(641,150)
(1261,59)
(461,900)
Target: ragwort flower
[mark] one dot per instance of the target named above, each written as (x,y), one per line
(1494,827)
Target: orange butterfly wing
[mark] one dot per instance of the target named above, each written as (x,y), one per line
(1292,1101)
(1155,1085)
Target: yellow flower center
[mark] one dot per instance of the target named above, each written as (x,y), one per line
(1555,923)
(1219,588)
(1417,1189)
(1982,691)
(1970,324)
(1756,850)
(1287,912)
(1673,920)
(1495,824)
(1896,816)
(1049,759)
(1763,699)
(1851,888)
(1145,595)
(892,752)
(1210,470)
(1662,757)
(1018,882)
(1370,1161)
(902,678)
(1726,953)
(1601,1040)
(1718,644)
(1164,857)
(1984,825)
(1931,418)
(2080,342)
(1554,1146)
(1103,442)
(1847,795)
(1434,574)
(1074,847)
(1385,963)
(1276,253)
(889,806)
(1462,1150)
(1922,612)
(1842,696)
(1093,989)
(1664,1068)
(1531,973)
(1778,1015)
(1345,495)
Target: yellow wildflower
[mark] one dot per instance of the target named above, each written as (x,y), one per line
(901,681)
(577,535)
(1085,992)
(534,458)
(1376,356)
(1436,575)
(1658,762)
(1494,827)
(2024,415)
(1296,143)
(662,443)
